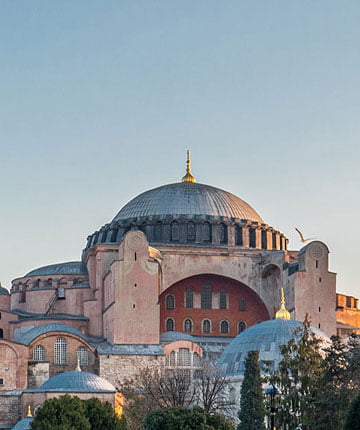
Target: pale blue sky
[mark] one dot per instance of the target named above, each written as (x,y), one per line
(99,101)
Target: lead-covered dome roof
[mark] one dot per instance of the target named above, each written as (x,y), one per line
(77,382)
(190,199)
(265,337)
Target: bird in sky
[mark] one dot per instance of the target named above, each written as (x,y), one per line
(303,240)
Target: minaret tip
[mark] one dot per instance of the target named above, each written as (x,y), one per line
(188,177)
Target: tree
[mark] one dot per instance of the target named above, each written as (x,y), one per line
(252,410)
(353,415)
(64,413)
(175,418)
(71,413)
(210,388)
(297,378)
(102,416)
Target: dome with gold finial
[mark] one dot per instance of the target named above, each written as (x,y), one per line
(283,312)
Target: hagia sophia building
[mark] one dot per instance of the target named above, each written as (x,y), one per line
(177,274)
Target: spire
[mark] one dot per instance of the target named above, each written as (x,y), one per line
(188,177)
(29,414)
(78,368)
(282,312)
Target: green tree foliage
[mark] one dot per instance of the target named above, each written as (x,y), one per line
(297,378)
(353,415)
(252,410)
(176,418)
(65,413)
(71,413)
(102,416)
(338,383)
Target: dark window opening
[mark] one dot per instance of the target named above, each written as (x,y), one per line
(1,381)
(170,302)
(189,298)
(263,239)
(206,297)
(223,300)
(157,232)
(1,333)
(274,241)
(114,235)
(190,231)
(317,264)
(103,237)
(175,231)
(242,304)
(206,326)
(241,326)
(252,238)
(319,279)
(348,302)
(319,309)
(188,325)
(238,236)
(135,256)
(224,327)
(170,324)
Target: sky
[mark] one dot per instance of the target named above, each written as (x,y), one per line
(99,101)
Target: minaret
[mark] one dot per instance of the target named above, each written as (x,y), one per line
(188,177)
(282,312)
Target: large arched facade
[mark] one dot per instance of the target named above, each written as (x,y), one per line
(210,305)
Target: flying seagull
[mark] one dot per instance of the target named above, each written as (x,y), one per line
(302,236)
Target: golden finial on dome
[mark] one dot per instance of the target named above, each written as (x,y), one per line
(29,414)
(188,177)
(282,312)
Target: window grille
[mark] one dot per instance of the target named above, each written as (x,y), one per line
(184,357)
(197,361)
(175,233)
(252,238)
(83,356)
(224,327)
(263,239)
(39,353)
(242,304)
(206,326)
(188,325)
(189,298)
(170,302)
(241,326)
(170,360)
(274,240)
(60,348)
(207,232)
(170,324)
(238,236)
(223,300)
(222,233)
(190,231)
(206,297)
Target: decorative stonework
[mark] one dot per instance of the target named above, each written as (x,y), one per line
(135,241)
(316,252)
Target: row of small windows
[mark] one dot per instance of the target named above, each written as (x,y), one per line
(183,358)
(188,326)
(60,353)
(206,299)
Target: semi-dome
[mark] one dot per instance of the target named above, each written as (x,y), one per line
(77,382)
(68,268)
(189,199)
(4,291)
(265,337)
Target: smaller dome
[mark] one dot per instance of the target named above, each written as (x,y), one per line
(78,382)
(24,424)
(265,337)
(4,291)
(173,336)
(69,268)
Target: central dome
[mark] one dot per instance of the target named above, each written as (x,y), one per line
(189,199)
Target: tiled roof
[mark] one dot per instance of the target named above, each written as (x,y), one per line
(26,337)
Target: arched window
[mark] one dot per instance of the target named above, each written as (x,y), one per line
(157,231)
(188,325)
(242,304)
(175,231)
(114,234)
(274,241)
(60,351)
(252,238)
(223,300)
(207,232)
(206,326)
(103,237)
(238,236)
(222,233)
(170,325)
(197,360)
(1,333)
(170,302)
(241,326)
(206,297)
(171,359)
(224,327)
(190,231)
(39,353)
(189,298)
(184,357)
(82,356)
